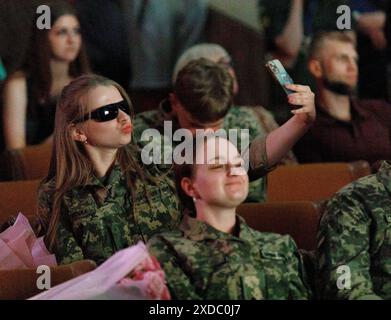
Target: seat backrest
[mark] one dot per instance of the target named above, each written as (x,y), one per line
(22,283)
(29,163)
(18,196)
(298,219)
(36,161)
(312,182)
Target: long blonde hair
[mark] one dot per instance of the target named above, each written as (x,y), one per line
(70,166)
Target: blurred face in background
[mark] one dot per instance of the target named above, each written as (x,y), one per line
(65,38)
(338,64)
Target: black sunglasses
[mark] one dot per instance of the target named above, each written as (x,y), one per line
(108,112)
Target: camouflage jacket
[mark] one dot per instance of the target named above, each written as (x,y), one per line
(355,232)
(236,118)
(100,218)
(201,262)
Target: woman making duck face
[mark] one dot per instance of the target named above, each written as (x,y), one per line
(98,197)
(215,254)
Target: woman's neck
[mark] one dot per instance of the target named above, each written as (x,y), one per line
(102,160)
(59,69)
(222,219)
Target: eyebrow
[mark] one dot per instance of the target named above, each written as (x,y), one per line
(218,158)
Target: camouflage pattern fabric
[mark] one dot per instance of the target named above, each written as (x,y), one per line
(99,219)
(201,262)
(236,118)
(355,232)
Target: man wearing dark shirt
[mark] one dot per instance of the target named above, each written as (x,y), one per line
(346,129)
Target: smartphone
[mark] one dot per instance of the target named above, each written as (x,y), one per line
(279,74)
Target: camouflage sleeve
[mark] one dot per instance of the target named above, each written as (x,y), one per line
(66,248)
(298,283)
(178,281)
(343,250)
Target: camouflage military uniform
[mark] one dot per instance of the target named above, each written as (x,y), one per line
(99,219)
(201,262)
(355,231)
(237,118)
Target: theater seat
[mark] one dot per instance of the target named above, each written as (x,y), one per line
(22,283)
(298,219)
(29,163)
(18,196)
(312,182)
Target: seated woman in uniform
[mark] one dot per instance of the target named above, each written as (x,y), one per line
(214,254)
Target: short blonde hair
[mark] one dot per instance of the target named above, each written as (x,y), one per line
(210,51)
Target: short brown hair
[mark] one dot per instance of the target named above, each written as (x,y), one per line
(205,89)
(320,38)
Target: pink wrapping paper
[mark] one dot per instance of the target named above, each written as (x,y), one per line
(130,274)
(20,249)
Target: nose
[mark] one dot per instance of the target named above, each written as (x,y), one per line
(72,36)
(353,65)
(122,116)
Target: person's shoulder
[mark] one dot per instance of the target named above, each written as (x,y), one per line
(241,117)
(167,238)
(373,105)
(47,186)
(243,111)
(362,188)
(46,191)
(276,246)
(17,79)
(147,116)
(356,200)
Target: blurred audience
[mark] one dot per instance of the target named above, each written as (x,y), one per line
(3,73)
(55,58)
(388,36)
(288,26)
(346,128)
(137,42)
(371,46)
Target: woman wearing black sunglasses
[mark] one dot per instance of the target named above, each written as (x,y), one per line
(98,197)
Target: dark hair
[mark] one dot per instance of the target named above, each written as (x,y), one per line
(37,65)
(205,89)
(320,38)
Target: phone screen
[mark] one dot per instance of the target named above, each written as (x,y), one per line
(280,74)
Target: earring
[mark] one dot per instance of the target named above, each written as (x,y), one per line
(194,199)
(85,141)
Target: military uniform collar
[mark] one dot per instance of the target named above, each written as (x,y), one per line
(384,175)
(113,176)
(197,230)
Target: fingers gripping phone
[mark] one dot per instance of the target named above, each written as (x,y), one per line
(279,74)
